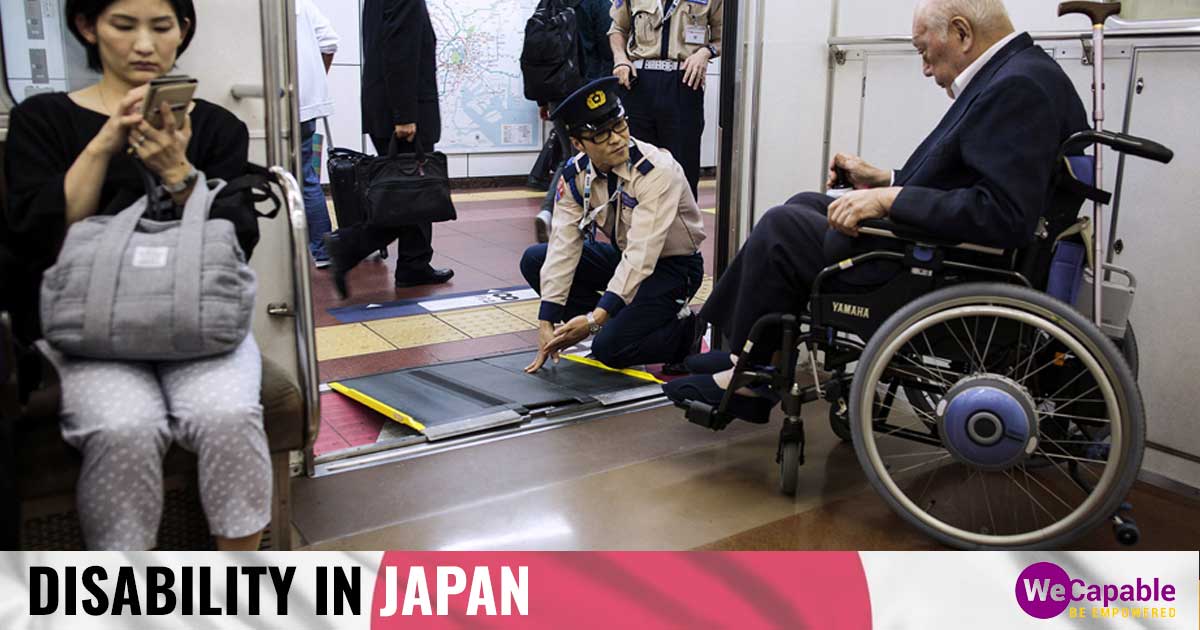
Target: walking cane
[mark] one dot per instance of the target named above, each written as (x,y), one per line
(1098,12)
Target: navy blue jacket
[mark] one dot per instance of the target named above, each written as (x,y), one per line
(984,174)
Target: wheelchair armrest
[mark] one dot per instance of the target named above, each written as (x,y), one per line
(890,229)
(1120,142)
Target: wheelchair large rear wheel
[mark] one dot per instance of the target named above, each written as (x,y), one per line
(1037,431)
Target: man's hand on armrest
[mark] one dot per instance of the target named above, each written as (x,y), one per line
(847,212)
(861,173)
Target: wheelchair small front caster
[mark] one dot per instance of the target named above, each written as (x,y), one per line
(1127,533)
(839,419)
(1125,528)
(790,455)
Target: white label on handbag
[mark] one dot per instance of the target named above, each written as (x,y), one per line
(150,257)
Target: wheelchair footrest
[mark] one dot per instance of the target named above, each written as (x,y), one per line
(705,415)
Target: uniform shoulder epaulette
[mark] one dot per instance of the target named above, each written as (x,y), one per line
(570,175)
(575,165)
(639,160)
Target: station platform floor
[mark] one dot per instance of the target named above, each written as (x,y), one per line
(380,328)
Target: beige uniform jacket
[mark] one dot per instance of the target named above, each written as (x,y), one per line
(658,217)
(641,22)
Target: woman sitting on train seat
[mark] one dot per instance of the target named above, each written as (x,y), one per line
(71,156)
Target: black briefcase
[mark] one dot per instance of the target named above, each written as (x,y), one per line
(343,182)
(402,189)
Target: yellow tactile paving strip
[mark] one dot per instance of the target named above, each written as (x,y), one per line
(498,195)
(415,330)
(348,340)
(485,321)
(704,291)
(527,311)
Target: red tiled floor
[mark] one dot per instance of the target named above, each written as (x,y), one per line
(473,348)
(329,442)
(345,424)
(529,336)
(375,363)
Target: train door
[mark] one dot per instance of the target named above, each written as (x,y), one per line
(409,371)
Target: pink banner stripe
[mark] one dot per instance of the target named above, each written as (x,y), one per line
(825,590)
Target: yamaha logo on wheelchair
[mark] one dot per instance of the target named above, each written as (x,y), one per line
(852,310)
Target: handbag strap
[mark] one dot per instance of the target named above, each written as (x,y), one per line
(102,283)
(394,148)
(328,136)
(188,260)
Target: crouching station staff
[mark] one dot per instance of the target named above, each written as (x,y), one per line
(636,197)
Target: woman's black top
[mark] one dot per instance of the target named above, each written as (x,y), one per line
(46,134)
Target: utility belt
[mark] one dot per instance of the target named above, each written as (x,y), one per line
(661,65)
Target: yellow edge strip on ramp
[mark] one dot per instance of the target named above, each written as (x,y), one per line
(645,376)
(390,412)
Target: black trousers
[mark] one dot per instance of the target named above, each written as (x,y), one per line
(647,330)
(666,112)
(414,242)
(775,270)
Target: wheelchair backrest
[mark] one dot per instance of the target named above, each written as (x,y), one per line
(1062,211)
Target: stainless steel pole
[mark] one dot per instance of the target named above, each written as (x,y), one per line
(268,22)
(1097,207)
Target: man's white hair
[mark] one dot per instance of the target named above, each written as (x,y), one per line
(984,15)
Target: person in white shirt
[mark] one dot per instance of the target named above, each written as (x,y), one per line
(316,43)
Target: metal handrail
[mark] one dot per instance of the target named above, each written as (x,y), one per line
(242,91)
(1122,33)
(303,309)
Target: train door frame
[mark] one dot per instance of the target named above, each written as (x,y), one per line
(737,148)
(282,126)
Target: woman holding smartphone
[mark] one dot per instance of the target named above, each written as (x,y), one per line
(71,156)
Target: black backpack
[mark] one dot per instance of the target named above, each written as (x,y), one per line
(551,58)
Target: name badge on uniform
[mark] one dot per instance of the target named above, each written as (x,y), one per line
(697,34)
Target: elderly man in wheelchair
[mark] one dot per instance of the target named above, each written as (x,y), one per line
(987,412)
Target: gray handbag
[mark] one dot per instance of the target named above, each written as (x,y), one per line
(129,288)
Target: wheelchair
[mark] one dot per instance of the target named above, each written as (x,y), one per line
(985,411)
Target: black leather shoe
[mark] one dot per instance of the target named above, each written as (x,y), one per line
(432,276)
(337,265)
(678,365)
(702,388)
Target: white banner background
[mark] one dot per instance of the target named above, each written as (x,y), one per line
(302,598)
(975,590)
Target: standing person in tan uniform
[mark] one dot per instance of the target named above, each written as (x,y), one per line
(661,50)
(636,196)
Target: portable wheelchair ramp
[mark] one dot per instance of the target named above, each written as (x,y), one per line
(455,399)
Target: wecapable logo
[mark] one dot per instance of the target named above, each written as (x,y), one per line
(1045,590)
